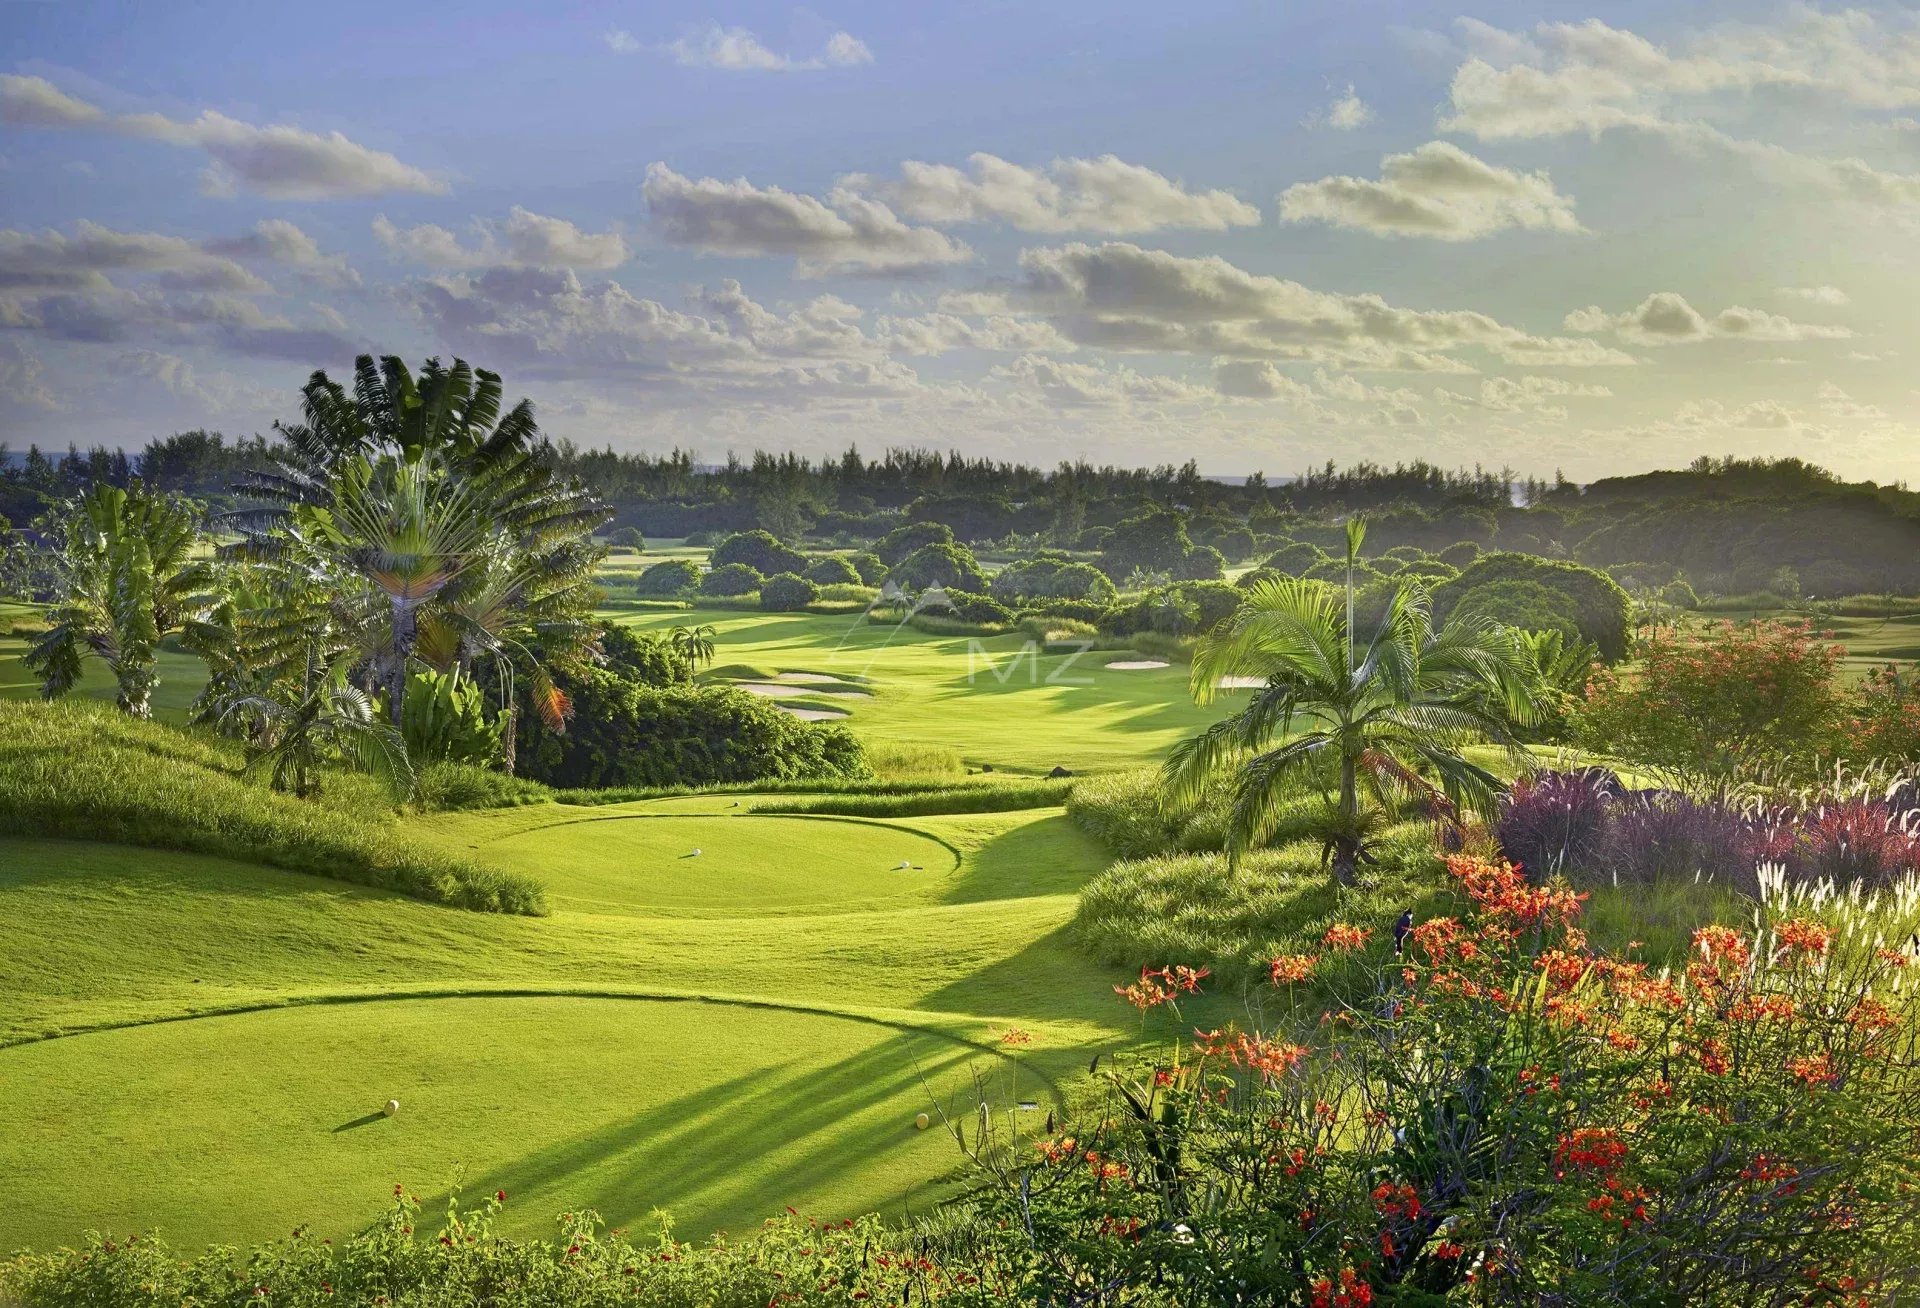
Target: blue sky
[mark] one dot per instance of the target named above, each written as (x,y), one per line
(1253,234)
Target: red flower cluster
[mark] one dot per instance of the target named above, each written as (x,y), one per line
(1348,1292)
(1590,1149)
(1342,938)
(1253,1052)
(1291,968)
(1162,985)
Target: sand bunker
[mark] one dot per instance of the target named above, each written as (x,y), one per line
(771,691)
(1136,665)
(813,714)
(812,678)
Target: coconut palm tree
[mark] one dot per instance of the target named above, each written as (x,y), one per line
(694,644)
(1377,717)
(128,574)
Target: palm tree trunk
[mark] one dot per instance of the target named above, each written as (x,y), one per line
(1346,849)
(406,633)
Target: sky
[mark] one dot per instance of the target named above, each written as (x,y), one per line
(1259,236)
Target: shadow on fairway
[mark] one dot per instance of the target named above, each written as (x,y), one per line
(368,1120)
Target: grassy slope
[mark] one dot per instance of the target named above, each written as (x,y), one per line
(719,1112)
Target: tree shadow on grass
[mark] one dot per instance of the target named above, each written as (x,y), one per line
(738,1151)
(1049,857)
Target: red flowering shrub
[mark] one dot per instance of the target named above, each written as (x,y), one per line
(1882,719)
(1510,1118)
(1704,707)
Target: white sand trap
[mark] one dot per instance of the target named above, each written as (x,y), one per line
(813,714)
(812,678)
(1136,665)
(770,691)
(1241,683)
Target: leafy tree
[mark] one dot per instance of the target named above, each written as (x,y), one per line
(952,567)
(731,579)
(669,577)
(897,544)
(1202,563)
(760,551)
(628,538)
(1527,605)
(787,593)
(832,570)
(872,571)
(127,573)
(1408,698)
(1602,610)
(1156,541)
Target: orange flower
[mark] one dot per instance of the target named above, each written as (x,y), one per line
(1290,968)
(1343,938)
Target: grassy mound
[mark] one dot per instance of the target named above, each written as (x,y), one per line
(81,770)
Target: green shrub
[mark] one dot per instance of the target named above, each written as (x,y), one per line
(951,567)
(833,570)
(758,550)
(671,577)
(623,733)
(444,719)
(1051,578)
(1295,558)
(403,1261)
(872,571)
(80,770)
(902,541)
(1602,610)
(731,579)
(1201,563)
(995,797)
(1524,604)
(649,659)
(786,593)
(628,538)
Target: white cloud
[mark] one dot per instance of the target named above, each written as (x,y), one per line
(1066,384)
(275,240)
(943,333)
(525,239)
(50,261)
(1666,318)
(1105,195)
(737,50)
(23,379)
(1119,296)
(1437,190)
(851,233)
(280,162)
(1827,295)
(1348,112)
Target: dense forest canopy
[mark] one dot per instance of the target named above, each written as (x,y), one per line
(1721,525)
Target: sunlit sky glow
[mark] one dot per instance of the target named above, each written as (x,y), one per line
(1256,235)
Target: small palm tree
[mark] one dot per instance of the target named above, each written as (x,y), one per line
(694,644)
(316,719)
(1380,722)
(129,574)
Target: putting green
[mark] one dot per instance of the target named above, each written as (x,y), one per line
(636,861)
(720,1112)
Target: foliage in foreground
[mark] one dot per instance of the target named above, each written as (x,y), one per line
(1507,1117)
(396,1263)
(82,771)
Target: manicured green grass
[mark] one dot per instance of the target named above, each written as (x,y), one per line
(535,1054)
(996,700)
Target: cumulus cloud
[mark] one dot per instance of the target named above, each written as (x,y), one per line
(280,162)
(943,333)
(1119,296)
(737,50)
(1535,396)
(1105,195)
(51,261)
(1438,191)
(1666,318)
(23,379)
(849,233)
(1566,78)
(1067,384)
(525,239)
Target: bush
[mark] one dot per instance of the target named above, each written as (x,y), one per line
(447,787)
(833,570)
(1554,823)
(648,659)
(1664,835)
(758,550)
(1461,554)
(731,579)
(1295,558)
(83,771)
(1524,604)
(872,571)
(623,733)
(444,719)
(951,567)
(980,610)
(786,593)
(1601,610)
(1705,707)
(1504,1116)
(897,544)
(1211,601)
(628,538)
(1201,563)
(1051,578)
(671,577)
